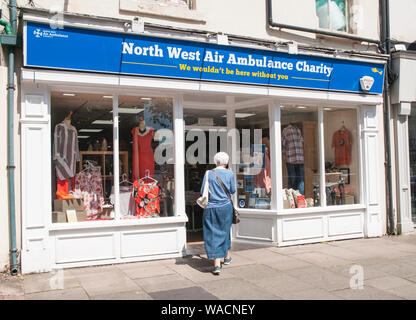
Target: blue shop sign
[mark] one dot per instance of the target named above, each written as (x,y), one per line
(98,51)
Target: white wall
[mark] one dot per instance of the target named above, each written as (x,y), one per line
(238,17)
(402,20)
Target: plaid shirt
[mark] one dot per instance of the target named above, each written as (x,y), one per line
(292,144)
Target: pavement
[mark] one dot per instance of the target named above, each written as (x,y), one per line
(360,269)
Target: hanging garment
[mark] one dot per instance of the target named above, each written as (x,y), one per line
(143,157)
(65,150)
(127,207)
(89,186)
(292,144)
(147,197)
(262,179)
(341,141)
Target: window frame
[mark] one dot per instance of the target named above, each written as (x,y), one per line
(348,28)
(321,136)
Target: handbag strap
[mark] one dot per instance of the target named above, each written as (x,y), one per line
(222,185)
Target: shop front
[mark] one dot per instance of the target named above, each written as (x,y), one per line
(117,130)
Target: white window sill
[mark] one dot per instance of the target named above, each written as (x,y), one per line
(327,209)
(300,211)
(117,223)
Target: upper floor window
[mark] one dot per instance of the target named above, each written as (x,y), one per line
(333,14)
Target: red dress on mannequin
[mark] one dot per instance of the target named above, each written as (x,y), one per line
(143,158)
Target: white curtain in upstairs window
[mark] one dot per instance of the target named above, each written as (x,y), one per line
(336,16)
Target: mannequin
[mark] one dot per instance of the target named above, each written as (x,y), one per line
(292,146)
(65,156)
(143,157)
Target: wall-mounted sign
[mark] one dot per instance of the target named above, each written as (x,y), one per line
(98,51)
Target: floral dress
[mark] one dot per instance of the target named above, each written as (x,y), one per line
(147,198)
(89,186)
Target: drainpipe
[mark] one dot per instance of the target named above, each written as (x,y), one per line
(386,42)
(315,31)
(11,30)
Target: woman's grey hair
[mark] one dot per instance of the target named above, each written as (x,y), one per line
(221,158)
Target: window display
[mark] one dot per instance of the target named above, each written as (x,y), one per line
(341,156)
(83,167)
(146,134)
(300,157)
(253,175)
(65,156)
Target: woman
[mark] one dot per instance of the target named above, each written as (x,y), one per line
(218,214)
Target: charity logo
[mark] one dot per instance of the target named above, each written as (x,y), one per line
(37,33)
(44,33)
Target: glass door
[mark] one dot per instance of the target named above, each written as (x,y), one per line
(205,135)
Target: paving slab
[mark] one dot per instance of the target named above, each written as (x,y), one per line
(192,293)
(250,272)
(256,254)
(107,282)
(283,262)
(11,286)
(127,295)
(282,284)
(311,294)
(58,279)
(20,297)
(405,292)
(347,253)
(369,272)
(321,259)
(167,282)
(368,293)
(146,271)
(237,289)
(388,282)
(66,294)
(397,268)
(379,250)
(321,278)
(411,278)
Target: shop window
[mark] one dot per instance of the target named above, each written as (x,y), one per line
(82,157)
(333,14)
(252,168)
(300,157)
(83,150)
(146,136)
(341,156)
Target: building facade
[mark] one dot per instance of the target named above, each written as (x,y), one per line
(155,88)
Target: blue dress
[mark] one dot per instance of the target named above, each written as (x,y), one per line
(218,215)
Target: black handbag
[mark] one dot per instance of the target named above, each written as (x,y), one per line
(236,214)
